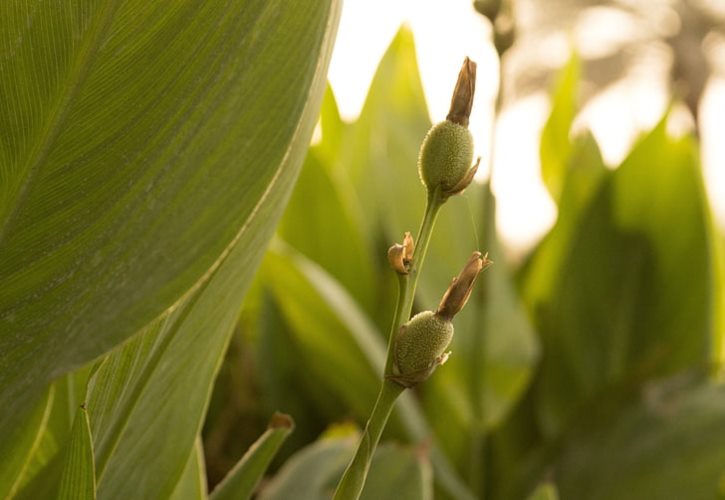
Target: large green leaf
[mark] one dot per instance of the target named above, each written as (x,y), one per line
(78,476)
(670,445)
(159,383)
(139,145)
(632,293)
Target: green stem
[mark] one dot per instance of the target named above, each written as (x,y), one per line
(407,283)
(353,480)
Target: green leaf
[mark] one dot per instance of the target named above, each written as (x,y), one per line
(323,224)
(632,292)
(325,339)
(398,473)
(192,485)
(555,146)
(313,472)
(669,445)
(159,384)
(68,395)
(243,479)
(78,476)
(380,154)
(17,449)
(546,491)
(139,147)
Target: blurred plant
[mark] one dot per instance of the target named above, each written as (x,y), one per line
(676,39)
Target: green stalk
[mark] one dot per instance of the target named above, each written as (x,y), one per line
(407,283)
(353,480)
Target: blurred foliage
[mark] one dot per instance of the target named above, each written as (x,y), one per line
(674,41)
(620,301)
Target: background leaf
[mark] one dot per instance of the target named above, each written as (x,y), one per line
(19,448)
(78,480)
(192,485)
(555,146)
(312,473)
(141,143)
(668,445)
(246,474)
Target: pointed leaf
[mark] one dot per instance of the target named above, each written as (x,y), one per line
(321,223)
(313,472)
(555,146)
(243,479)
(546,491)
(18,448)
(192,485)
(78,479)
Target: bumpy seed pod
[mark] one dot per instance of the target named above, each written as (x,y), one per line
(420,347)
(444,161)
(445,156)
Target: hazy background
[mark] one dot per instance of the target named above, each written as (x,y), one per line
(637,55)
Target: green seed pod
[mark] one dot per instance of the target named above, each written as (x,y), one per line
(420,347)
(445,158)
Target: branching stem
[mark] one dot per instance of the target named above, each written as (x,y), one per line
(353,480)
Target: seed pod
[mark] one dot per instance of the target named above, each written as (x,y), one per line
(444,161)
(420,347)
(445,157)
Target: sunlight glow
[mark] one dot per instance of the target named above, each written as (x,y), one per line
(445,32)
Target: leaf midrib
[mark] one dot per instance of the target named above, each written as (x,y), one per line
(85,59)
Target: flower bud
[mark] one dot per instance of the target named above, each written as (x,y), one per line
(420,347)
(445,157)
(460,288)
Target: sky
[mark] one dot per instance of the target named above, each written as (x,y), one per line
(447,31)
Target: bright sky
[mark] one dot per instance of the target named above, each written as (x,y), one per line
(446,32)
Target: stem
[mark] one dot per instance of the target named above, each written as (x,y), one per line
(407,283)
(352,482)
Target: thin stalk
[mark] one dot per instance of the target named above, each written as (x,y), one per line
(409,282)
(353,480)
